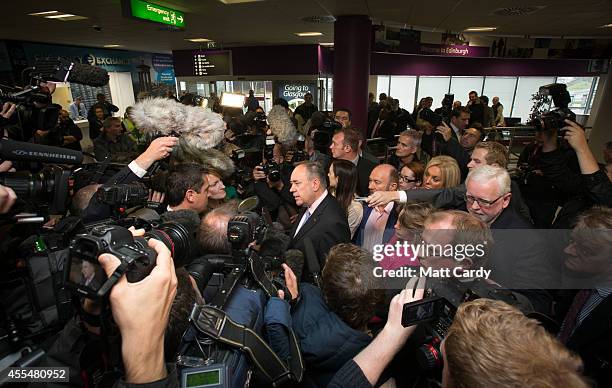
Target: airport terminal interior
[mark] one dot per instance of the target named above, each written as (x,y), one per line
(306,193)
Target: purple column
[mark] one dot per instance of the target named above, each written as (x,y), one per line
(352,39)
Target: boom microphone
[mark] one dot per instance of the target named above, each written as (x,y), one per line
(61,70)
(18,150)
(281,125)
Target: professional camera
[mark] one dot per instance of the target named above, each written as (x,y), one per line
(447,107)
(223,346)
(86,276)
(50,186)
(431,117)
(554,119)
(322,129)
(259,121)
(299,155)
(271,168)
(436,314)
(124,195)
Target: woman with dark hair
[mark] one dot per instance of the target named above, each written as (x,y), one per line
(342,185)
(411,175)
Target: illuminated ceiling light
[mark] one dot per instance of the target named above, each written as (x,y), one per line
(43,13)
(64,15)
(239,1)
(480,29)
(313,33)
(112,45)
(199,40)
(606,26)
(327,44)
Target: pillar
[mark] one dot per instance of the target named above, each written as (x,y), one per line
(352,40)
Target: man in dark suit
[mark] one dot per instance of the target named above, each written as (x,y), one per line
(378,223)
(345,145)
(321,219)
(587,318)
(519,259)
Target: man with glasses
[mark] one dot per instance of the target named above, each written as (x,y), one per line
(519,259)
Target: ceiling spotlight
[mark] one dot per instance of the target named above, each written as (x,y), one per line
(43,13)
(327,44)
(112,45)
(199,40)
(606,26)
(313,33)
(480,29)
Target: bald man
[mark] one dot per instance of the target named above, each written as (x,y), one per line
(377,224)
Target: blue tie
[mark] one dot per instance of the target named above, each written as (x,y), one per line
(305,218)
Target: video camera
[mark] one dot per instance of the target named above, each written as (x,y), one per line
(554,119)
(322,129)
(223,346)
(437,312)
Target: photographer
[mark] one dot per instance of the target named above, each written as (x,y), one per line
(113,143)
(489,344)
(272,188)
(69,132)
(159,149)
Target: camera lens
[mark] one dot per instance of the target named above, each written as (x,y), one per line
(177,237)
(28,185)
(429,355)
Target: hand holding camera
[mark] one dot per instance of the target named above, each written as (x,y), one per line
(159,149)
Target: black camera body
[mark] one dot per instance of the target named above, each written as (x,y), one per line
(554,119)
(86,276)
(127,195)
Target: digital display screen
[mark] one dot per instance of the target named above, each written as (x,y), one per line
(203,379)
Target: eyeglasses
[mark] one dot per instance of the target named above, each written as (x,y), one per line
(407,179)
(481,202)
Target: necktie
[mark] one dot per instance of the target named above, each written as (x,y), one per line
(305,218)
(569,323)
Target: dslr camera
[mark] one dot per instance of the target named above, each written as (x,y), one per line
(554,119)
(271,168)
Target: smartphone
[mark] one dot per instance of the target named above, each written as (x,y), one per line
(361,199)
(423,310)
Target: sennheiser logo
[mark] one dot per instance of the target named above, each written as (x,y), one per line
(43,154)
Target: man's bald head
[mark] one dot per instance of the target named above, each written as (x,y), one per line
(383,177)
(80,200)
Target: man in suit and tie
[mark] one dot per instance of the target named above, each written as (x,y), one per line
(587,323)
(377,224)
(345,145)
(322,220)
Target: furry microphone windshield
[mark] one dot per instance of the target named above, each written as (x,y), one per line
(281,126)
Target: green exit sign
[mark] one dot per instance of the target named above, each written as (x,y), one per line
(155,13)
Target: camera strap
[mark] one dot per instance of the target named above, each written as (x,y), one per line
(216,324)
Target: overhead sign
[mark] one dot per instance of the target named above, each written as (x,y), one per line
(155,13)
(191,63)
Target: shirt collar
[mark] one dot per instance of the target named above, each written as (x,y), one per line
(457,130)
(316,203)
(356,160)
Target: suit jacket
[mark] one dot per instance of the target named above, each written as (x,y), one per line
(592,340)
(326,227)
(389,227)
(364,168)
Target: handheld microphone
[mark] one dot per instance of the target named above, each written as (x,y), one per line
(61,70)
(18,150)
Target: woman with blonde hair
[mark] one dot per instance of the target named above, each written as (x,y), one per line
(441,172)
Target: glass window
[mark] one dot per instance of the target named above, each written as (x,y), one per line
(592,98)
(382,85)
(435,87)
(527,87)
(579,89)
(462,86)
(502,87)
(403,89)
(329,95)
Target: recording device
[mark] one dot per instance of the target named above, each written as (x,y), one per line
(50,187)
(18,150)
(300,155)
(554,119)
(431,117)
(61,70)
(436,313)
(123,195)
(322,129)
(260,121)
(223,346)
(271,168)
(85,275)
(446,109)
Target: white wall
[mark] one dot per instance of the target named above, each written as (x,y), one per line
(122,91)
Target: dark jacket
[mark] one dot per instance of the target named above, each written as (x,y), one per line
(364,168)
(327,227)
(95,127)
(476,113)
(327,343)
(69,128)
(389,227)
(122,150)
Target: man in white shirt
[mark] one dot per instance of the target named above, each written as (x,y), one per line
(377,225)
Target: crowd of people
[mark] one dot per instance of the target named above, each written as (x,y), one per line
(443,183)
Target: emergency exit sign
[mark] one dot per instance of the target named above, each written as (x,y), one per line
(155,13)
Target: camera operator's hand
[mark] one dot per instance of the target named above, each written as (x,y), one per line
(6,166)
(575,136)
(445,131)
(380,352)
(141,310)
(290,282)
(382,198)
(259,174)
(8,109)
(159,149)
(7,199)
